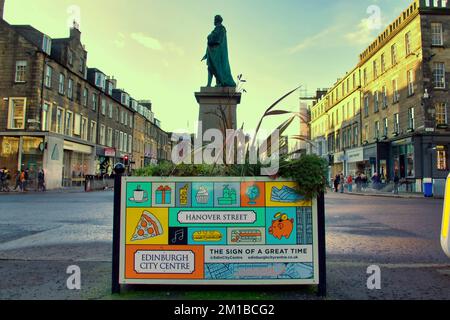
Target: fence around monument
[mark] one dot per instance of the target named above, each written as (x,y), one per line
(216,231)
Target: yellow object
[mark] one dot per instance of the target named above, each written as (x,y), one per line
(184,196)
(207,236)
(445,240)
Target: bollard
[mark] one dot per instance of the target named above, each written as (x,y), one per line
(119,169)
(445,239)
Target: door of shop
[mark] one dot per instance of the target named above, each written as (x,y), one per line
(67,168)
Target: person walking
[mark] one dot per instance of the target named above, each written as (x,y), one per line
(358,182)
(2,174)
(4,180)
(41,180)
(342,183)
(350,183)
(396,183)
(336,182)
(22,178)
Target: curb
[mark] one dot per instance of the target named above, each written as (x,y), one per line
(392,195)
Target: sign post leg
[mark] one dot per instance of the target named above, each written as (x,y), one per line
(115,286)
(322,288)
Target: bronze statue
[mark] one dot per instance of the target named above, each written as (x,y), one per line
(217,56)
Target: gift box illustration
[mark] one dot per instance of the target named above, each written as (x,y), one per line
(163,195)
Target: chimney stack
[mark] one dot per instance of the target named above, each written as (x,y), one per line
(75,32)
(2,6)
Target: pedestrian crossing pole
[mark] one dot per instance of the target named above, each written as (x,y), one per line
(445,239)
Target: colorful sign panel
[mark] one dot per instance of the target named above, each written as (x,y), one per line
(216,231)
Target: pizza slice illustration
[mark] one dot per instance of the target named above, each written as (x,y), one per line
(148,227)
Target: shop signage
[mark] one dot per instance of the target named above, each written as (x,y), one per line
(216,231)
(339,157)
(110,152)
(72,146)
(355,155)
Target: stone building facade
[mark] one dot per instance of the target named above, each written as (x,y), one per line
(404,100)
(56,113)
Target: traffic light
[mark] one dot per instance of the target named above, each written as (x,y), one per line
(126,161)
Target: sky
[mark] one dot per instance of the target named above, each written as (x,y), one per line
(154,47)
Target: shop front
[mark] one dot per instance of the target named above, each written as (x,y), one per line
(106,158)
(22,153)
(403,163)
(370,160)
(355,161)
(338,164)
(78,161)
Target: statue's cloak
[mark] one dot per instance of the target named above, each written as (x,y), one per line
(217,57)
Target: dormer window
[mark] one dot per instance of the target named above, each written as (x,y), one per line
(47,44)
(100,80)
(125,99)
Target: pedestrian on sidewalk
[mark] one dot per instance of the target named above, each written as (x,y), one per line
(22,178)
(358,182)
(342,182)
(396,182)
(41,180)
(350,183)
(4,177)
(336,182)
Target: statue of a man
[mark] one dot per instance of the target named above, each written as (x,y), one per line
(217,56)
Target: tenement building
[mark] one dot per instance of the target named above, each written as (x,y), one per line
(59,115)
(404,102)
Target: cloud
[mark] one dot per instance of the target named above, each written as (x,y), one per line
(312,41)
(363,35)
(120,41)
(155,44)
(147,41)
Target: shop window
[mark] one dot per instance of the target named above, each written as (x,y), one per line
(441,155)
(17,109)
(9,153)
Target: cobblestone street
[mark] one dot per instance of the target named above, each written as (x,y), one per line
(48,232)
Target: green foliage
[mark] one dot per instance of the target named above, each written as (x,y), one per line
(309,172)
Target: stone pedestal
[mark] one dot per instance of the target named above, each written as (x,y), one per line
(218,108)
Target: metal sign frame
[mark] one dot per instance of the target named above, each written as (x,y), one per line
(119,239)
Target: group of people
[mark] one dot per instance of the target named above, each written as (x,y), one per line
(22,179)
(340,182)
